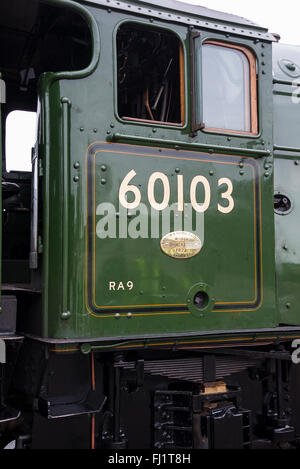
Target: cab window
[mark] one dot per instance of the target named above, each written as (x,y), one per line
(150,74)
(229,91)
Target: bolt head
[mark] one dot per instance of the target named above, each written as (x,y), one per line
(65,315)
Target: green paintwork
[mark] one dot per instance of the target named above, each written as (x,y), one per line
(287,175)
(79,109)
(1,202)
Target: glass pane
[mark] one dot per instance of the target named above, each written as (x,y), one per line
(20,139)
(226,88)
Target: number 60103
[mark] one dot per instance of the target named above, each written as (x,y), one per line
(126,188)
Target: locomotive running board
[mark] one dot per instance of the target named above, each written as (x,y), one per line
(279,332)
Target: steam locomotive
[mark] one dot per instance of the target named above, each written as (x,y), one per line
(150,208)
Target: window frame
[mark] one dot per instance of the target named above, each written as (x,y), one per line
(183,80)
(253,89)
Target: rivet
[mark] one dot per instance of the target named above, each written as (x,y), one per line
(177,170)
(129,315)
(288,305)
(241,165)
(263,63)
(112,125)
(297,163)
(285,247)
(109,10)
(117,316)
(141,292)
(267,166)
(103,181)
(154,131)
(263,72)
(267,174)
(76,165)
(95,130)
(129,215)
(151,20)
(81,129)
(242,173)
(76,178)
(211,172)
(229,139)
(108,132)
(211,150)
(176,147)
(103,167)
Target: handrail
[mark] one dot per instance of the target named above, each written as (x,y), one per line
(192,145)
(33,256)
(66,106)
(289,149)
(277,81)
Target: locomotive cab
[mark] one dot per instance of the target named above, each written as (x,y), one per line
(43,39)
(149,292)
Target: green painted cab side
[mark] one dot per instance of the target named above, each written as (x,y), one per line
(83,134)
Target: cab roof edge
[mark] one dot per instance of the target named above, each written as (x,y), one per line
(191,15)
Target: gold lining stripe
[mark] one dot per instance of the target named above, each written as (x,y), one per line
(177,158)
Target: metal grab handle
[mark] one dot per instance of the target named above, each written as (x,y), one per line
(33,256)
(66,105)
(195,126)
